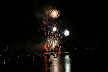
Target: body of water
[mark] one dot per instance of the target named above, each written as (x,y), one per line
(53,62)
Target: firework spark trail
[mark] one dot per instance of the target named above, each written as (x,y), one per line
(51,30)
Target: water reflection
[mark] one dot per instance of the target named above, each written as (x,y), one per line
(67,62)
(58,64)
(43,62)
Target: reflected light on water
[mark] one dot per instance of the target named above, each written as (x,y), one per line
(56,64)
(67,64)
(4,62)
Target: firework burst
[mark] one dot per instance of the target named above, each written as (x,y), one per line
(51,30)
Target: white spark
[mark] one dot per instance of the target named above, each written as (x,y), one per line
(54,28)
(66,32)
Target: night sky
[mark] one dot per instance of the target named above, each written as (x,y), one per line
(86,20)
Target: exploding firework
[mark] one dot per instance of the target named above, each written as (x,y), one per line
(66,33)
(53,33)
(51,30)
(51,12)
(54,13)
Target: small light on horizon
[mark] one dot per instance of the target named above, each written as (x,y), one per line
(4,62)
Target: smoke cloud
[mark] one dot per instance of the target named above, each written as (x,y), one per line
(33,47)
(44,12)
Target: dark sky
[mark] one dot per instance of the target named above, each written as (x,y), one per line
(86,19)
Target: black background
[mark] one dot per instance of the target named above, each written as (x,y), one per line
(86,20)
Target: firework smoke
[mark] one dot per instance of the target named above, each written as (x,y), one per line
(47,12)
(33,47)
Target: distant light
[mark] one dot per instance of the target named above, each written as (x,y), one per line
(4,62)
(66,32)
(66,52)
(54,28)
